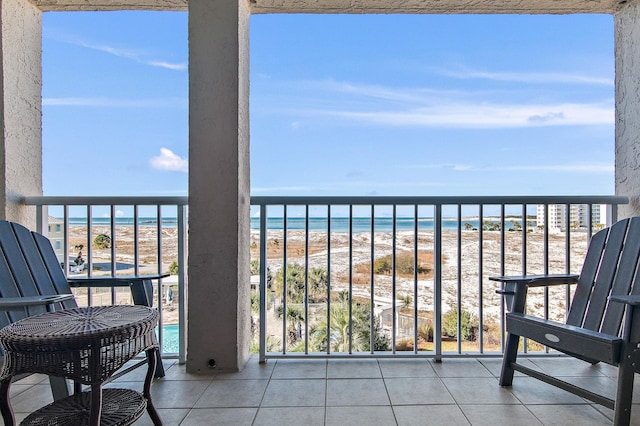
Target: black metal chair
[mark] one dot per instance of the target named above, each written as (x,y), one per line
(608,291)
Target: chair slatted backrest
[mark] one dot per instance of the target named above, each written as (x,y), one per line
(28,267)
(610,267)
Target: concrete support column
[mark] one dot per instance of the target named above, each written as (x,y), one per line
(627,48)
(20,108)
(219,308)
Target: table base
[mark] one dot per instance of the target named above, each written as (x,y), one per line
(119,407)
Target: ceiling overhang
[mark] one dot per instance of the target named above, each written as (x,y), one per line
(358,6)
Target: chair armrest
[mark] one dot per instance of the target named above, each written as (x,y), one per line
(544,280)
(141,286)
(107,281)
(19,303)
(633,300)
(515,287)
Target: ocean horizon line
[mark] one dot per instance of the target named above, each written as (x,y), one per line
(356,224)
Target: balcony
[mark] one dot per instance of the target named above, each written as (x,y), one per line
(453,244)
(363,391)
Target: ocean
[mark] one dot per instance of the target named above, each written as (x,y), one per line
(338,224)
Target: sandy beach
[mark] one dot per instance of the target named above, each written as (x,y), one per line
(466,275)
(125,261)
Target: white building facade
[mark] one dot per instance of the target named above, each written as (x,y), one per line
(578,216)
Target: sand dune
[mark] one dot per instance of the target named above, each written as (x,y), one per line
(454,275)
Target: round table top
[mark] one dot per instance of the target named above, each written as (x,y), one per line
(83,344)
(84,324)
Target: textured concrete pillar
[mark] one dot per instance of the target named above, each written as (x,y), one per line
(627,48)
(20,108)
(219,224)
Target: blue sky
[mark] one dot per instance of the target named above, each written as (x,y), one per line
(341,104)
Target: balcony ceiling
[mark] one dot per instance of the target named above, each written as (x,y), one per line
(357,6)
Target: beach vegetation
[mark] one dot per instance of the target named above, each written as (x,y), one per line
(255,267)
(273,345)
(335,331)
(405,266)
(296,278)
(102,241)
(515,226)
(173,268)
(404,345)
(295,314)
(382,265)
(489,225)
(255,302)
(469,324)
(406,300)
(425,332)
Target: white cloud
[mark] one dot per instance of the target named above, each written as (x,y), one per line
(483,115)
(178,67)
(530,77)
(599,168)
(134,55)
(168,160)
(577,168)
(309,101)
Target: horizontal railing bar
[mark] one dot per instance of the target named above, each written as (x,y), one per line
(337,200)
(438,200)
(55,200)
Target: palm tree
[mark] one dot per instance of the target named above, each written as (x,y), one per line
(318,282)
(294,314)
(295,318)
(338,336)
(296,278)
(295,275)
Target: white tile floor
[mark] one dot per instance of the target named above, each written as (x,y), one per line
(363,392)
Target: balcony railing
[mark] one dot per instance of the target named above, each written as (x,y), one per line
(346,276)
(114,236)
(389,276)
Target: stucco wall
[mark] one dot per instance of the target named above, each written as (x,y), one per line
(20,106)
(627,48)
(219,305)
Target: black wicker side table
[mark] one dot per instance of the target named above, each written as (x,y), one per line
(86,345)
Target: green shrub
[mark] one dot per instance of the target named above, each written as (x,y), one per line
(405,264)
(468,322)
(382,265)
(255,266)
(425,332)
(102,241)
(173,268)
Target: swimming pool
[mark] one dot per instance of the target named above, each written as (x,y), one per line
(170,339)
